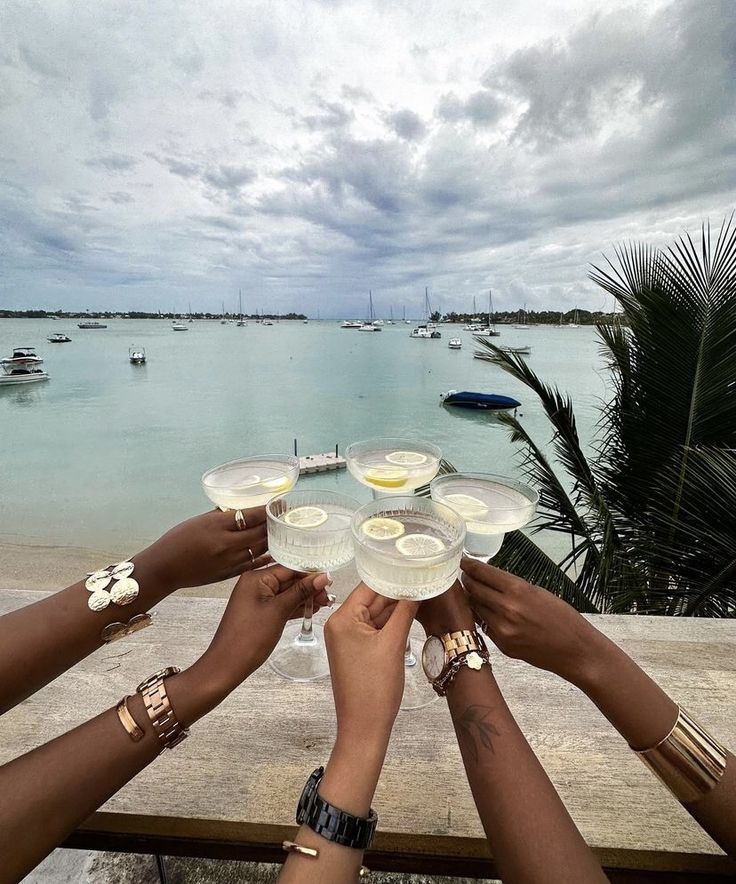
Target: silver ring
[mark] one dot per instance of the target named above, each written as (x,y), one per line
(252,557)
(240,520)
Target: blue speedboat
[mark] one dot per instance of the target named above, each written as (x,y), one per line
(480,401)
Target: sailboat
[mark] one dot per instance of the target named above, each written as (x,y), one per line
(371,325)
(241,322)
(490,330)
(223,321)
(391,320)
(190,312)
(428,329)
(522,324)
(574,323)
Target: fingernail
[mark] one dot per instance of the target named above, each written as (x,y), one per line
(329,578)
(331,599)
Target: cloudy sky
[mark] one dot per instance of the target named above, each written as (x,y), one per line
(156,153)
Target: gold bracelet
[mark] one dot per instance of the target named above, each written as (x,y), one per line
(158,707)
(689,761)
(134,731)
(293,847)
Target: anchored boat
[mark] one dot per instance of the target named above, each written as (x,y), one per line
(58,339)
(455,344)
(479,401)
(23,367)
(137,355)
(91,323)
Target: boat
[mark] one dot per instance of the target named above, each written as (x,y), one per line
(455,344)
(266,322)
(428,329)
(574,323)
(179,326)
(488,331)
(91,323)
(190,312)
(58,338)
(305,321)
(372,324)
(487,357)
(241,323)
(479,401)
(23,367)
(521,323)
(223,321)
(137,355)
(351,323)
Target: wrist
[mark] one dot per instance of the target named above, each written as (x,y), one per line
(196,691)
(352,774)
(592,668)
(155,581)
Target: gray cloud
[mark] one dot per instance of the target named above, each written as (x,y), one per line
(333,115)
(406,124)
(112,162)
(482,108)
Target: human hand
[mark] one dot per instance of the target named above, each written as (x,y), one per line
(256,613)
(207,548)
(529,623)
(448,612)
(365,639)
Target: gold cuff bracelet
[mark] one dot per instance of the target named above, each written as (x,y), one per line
(134,731)
(688,760)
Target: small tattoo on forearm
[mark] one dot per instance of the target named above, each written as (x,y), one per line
(474,724)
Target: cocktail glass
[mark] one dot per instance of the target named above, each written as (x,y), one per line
(409,548)
(491,506)
(393,466)
(250,481)
(308,531)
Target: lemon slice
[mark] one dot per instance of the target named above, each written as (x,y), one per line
(386,477)
(280,483)
(407,458)
(248,482)
(467,506)
(306,517)
(419,545)
(380,528)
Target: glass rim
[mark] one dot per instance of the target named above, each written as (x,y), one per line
(409,445)
(345,498)
(289,459)
(505,481)
(449,513)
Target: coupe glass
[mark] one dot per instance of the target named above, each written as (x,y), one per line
(491,506)
(308,531)
(250,481)
(393,466)
(409,548)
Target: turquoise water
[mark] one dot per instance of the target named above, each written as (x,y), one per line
(110,453)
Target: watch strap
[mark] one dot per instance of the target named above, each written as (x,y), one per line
(329,821)
(162,716)
(460,642)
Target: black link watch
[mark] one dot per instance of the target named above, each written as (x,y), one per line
(331,822)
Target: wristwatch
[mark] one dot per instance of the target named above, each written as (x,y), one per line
(444,655)
(330,822)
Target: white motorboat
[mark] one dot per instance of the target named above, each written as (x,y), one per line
(91,323)
(58,339)
(23,367)
(425,332)
(351,323)
(137,355)
(455,344)
(179,326)
(266,322)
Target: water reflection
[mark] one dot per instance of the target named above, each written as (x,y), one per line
(22,396)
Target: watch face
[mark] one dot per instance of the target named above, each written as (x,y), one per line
(433,657)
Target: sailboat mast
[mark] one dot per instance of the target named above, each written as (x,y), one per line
(491,311)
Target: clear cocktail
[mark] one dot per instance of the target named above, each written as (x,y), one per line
(250,481)
(308,531)
(408,548)
(491,506)
(391,465)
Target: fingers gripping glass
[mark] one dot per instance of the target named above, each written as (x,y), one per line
(308,531)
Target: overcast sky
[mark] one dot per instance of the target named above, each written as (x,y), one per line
(157,153)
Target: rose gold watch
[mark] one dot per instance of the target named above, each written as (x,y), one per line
(444,655)
(158,707)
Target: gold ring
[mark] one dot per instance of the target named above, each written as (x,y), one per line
(240,520)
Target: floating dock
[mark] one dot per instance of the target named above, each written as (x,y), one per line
(321,463)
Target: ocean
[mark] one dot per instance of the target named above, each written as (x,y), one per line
(108,453)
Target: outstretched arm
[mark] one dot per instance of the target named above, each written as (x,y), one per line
(58,785)
(529,623)
(531,834)
(42,640)
(365,641)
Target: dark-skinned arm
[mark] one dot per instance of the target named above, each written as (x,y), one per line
(533,838)
(529,623)
(42,640)
(58,785)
